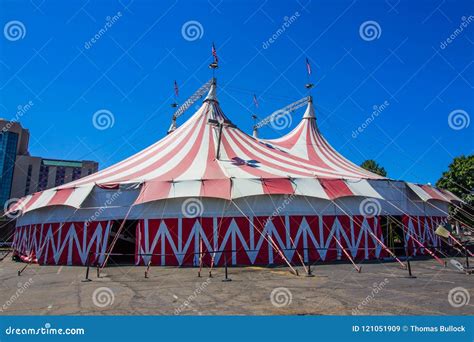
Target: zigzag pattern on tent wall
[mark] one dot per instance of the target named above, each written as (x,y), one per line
(235,240)
(423,228)
(241,241)
(70,243)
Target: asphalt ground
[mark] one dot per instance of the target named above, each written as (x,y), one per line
(335,289)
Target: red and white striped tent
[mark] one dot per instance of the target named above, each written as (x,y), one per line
(208,188)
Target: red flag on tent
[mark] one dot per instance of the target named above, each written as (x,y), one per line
(176,89)
(308,67)
(214,53)
(255,101)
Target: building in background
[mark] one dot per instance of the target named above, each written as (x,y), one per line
(13,142)
(23,174)
(34,174)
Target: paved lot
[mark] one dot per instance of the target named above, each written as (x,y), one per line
(336,289)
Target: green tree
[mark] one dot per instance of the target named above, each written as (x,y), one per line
(459,179)
(373,166)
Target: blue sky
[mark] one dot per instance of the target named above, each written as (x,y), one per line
(131,68)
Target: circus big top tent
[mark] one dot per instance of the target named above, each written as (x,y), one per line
(209,189)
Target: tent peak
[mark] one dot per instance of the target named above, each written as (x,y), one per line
(211,95)
(309,113)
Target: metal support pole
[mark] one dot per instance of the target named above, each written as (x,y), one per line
(87,269)
(147,269)
(409,269)
(98,270)
(308,273)
(226,278)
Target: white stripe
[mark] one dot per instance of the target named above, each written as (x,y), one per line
(246,187)
(362,188)
(155,158)
(186,189)
(174,161)
(79,195)
(198,167)
(309,187)
(43,200)
(104,175)
(422,194)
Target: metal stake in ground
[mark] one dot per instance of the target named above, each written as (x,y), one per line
(87,269)
(226,278)
(147,269)
(308,272)
(409,269)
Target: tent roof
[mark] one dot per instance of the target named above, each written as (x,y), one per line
(185,163)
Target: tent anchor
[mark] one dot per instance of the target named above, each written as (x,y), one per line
(226,277)
(410,275)
(87,269)
(309,274)
(147,269)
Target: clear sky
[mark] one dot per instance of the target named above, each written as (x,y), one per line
(404,62)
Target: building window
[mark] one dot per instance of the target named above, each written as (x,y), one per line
(60,175)
(76,173)
(43,177)
(8,143)
(28,180)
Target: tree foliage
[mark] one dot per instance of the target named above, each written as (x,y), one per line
(459,179)
(373,166)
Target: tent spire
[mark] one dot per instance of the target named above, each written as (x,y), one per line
(309,113)
(211,95)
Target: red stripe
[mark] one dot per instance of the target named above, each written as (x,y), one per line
(312,155)
(33,199)
(232,155)
(430,191)
(339,160)
(185,163)
(138,158)
(218,188)
(281,186)
(295,160)
(265,162)
(335,188)
(213,169)
(166,158)
(153,191)
(61,196)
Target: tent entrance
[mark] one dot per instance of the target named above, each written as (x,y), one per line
(123,251)
(393,234)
